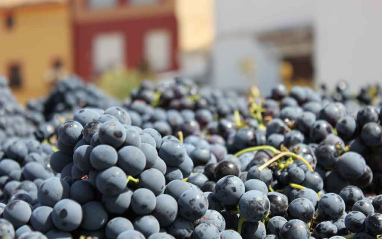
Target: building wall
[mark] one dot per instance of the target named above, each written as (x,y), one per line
(346,33)
(132,22)
(348,41)
(39,37)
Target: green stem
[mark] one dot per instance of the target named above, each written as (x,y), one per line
(256,148)
(240,224)
(130,178)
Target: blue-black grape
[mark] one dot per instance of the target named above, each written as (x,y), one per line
(256,184)
(153,180)
(365,206)
(116,226)
(373,224)
(192,204)
(67,215)
(181,228)
(131,235)
(118,204)
(119,113)
(172,152)
(82,191)
(229,190)
(215,218)
(275,224)
(53,190)
(81,158)
(111,181)
(351,165)
(254,205)
(255,230)
(325,229)
(147,225)
(166,210)
(176,188)
(301,208)
(94,216)
(112,133)
(332,206)
(41,219)
(354,222)
(295,229)
(143,201)
(132,160)
(103,157)
(351,195)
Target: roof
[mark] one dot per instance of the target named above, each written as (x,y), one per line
(26,3)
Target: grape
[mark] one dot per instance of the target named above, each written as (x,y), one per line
(276,126)
(319,130)
(81,158)
(354,222)
(41,219)
(132,160)
(7,166)
(67,215)
(173,173)
(118,204)
(255,184)
(215,218)
(181,228)
(254,230)
(351,195)
(176,188)
(58,161)
(363,206)
(341,228)
(371,134)
(116,226)
(70,132)
(155,135)
(85,116)
(301,208)
(213,203)
(32,235)
(150,153)
(17,150)
(230,234)
(131,235)
(373,224)
(111,181)
(143,201)
(186,167)
(122,116)
(254,205)
(192,204)
(53,190)
(161,165)
(132,137)
(296,175)
(103,157)
(200,156)
(377,203)
(112,133)
(206,231)
(160,236)
(82,192)
(147,225)
(295,229)
(264,175)
(331,206)
(33,170)
(278,204)
(334,182)
(327,155)
(172,152)
(229,190)
(21,230)
(275,224)
(351,165)
(18,213)
(346,127)
(197,179)
(325,229)
(90,129)
(226,168)
(166,210)
(6,229)
(363,235)
(10,188)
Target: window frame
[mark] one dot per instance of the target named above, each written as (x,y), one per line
(20,72)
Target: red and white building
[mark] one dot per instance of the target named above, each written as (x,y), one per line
(125,32)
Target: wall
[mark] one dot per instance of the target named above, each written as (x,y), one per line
(347,38)
(40,35)
(348,41)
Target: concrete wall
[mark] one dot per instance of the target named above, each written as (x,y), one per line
(347,34)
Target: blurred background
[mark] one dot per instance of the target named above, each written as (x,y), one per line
(218,43)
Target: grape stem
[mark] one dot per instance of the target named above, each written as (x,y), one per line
(240,224)
(256,148)
(132,179)
(180,135)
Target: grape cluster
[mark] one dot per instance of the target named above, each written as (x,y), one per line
(175,161)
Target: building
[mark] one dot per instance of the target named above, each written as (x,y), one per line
(132,33)
(35,44)
(306,42)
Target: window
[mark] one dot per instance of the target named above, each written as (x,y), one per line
(102,4)
(14,74)
(158,50)
(108,51)
(142,2)
(9,22)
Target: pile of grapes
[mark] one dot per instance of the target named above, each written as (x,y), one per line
(175,161)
